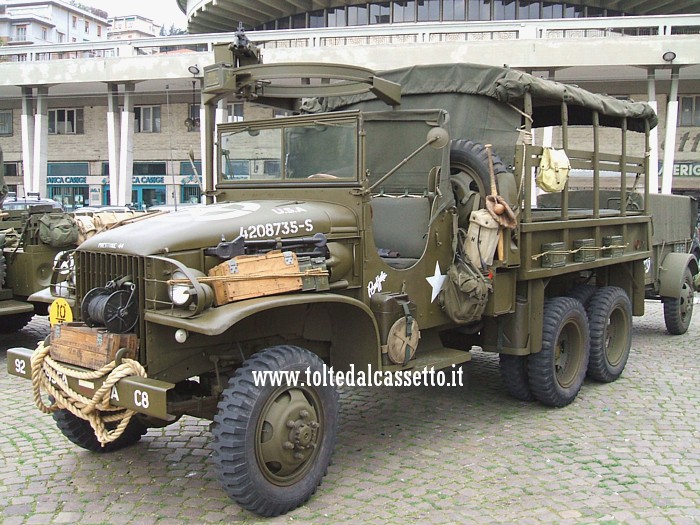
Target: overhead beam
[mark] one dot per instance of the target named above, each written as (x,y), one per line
(243,14)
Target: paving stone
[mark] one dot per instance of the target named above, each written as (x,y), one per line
(624,452)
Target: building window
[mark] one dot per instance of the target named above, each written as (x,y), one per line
(504,10)
(529,9)
(99,31)
(404,12)
(299,21)
(380,13)
(61,37)
(147,119)
(336,17)
(12,169)
(317,18)
(428,10)
(453,10)
(75,22)
(234,112)
(44,33)
(689,111)
(66,121)
(191,194)
(87,26)
(479,10)
(5,122)
(552,10)
(357,15)
(21,33)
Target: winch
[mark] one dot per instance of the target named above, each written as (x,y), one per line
(113,306)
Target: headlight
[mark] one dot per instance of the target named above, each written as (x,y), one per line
(181,294)
(184,294)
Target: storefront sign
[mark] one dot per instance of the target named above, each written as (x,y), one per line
(686,169)
(66,180)
(148,180)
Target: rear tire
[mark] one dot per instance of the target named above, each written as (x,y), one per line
(79,432)
(583,293)
(513,370)
(610,323)
(678,312)
(557,371)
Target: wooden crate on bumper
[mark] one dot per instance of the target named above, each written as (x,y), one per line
(93,348)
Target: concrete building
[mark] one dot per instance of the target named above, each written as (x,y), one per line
(49,22)
(117,126)
(131,27)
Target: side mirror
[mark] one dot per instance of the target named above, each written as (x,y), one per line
(438,138)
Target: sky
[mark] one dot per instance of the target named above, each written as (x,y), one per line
(162,12)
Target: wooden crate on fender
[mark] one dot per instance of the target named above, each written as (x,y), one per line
(80,345)
(248,276)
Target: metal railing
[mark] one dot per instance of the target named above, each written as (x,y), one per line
(414,33)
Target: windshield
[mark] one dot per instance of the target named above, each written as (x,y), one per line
(298,151)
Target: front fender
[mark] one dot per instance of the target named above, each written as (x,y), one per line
(672,273)
(355,335)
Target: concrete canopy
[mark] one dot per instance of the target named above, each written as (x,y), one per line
(213,16)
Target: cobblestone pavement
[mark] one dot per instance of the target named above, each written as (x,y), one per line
(626,452)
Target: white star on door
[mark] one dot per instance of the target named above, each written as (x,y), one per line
(436,281)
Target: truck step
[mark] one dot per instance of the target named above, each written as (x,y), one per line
(437,358)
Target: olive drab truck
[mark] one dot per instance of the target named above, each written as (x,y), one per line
(388,226)
(30,238)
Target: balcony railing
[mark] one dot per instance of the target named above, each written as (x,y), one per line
(403,34)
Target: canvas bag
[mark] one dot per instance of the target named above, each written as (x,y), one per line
(482,238)
(554,170)
(58,230)
(466,290)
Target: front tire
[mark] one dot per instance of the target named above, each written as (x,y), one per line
(610,323)
(273,444)
(678,312)
(10,324)
(79,432)
(557,371)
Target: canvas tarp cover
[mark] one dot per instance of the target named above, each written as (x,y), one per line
(480,102)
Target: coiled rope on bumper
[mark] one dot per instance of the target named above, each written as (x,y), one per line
(52,377)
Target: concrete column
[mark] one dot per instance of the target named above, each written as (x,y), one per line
(670,141)
(653,135)
(113,140)
(208,136)
(221,116)
(27,123)
(126,150)
(41,141)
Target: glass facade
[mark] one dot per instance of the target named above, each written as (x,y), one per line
(408,11)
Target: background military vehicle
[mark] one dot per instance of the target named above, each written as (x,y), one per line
(359,235)
(26,261)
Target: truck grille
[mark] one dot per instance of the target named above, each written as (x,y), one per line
(95,270)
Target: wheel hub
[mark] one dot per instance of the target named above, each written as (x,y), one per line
(289,436)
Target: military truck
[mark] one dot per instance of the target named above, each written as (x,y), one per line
(27,251)
(33,232)
(356,236)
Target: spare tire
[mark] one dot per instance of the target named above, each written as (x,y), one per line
(469,174)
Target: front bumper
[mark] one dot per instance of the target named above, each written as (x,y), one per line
(140,394)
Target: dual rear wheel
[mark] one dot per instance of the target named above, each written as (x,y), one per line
(576,341)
